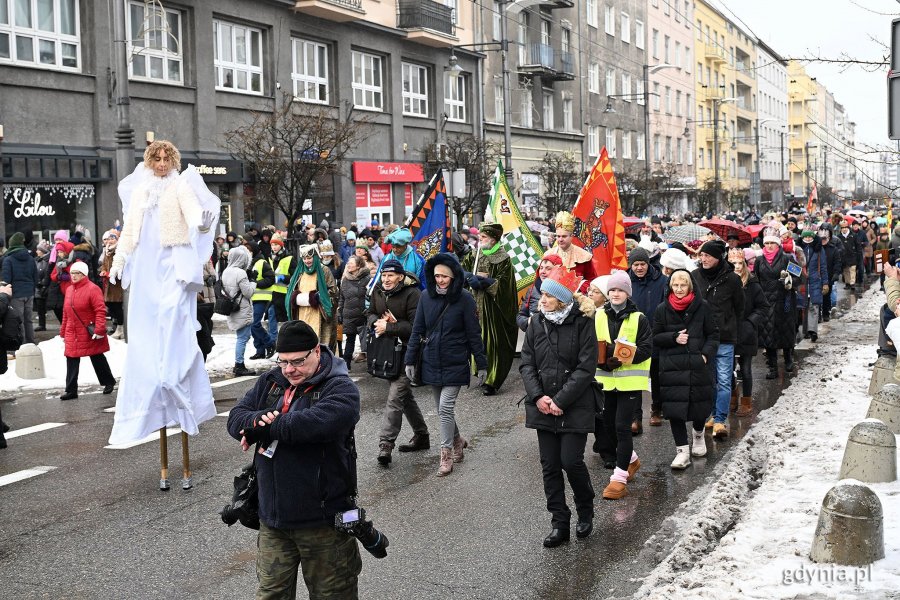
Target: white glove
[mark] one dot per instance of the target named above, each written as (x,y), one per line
(206,220)
(96,336)
(115,271)
(411,372)
(480,377)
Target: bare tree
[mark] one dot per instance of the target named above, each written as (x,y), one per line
(561,176)
(288,149)
(478,157)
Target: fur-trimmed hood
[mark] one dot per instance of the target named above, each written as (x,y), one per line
(456,285)
(585,305)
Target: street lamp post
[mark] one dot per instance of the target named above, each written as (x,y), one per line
(504,69)
(716,103)
(647,69)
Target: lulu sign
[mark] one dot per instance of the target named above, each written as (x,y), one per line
(39,207)
(368,172)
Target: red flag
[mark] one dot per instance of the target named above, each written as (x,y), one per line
(598,218)
(813,197)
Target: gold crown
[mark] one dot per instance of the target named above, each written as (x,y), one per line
(565,220)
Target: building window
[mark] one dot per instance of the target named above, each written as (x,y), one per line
(526,109)
(42,33)
(639,34)
(678,54)
(656,148)
(687,58)
(496,19)
(688,107)
(665,7)
(593,140)
(565,40)
(154,43)
(610,20)
(668,149)
(567,115)
(415,90)
(611,142)
(498,104)
(666,46)
(594,78)
(238,58)
(625,28)
(700,161)
(523,38)
(626,144)
(626,86)
(656,97)
(610,81)
(548,111)
(679,153)
(677,103)
(367,81)
(639,91)
(310,73)
(591,7)
(455,97)
(668,100)
(640,147)
(654,43)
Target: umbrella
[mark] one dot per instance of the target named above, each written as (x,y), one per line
(632,224)
(535,226)
(686,233)
(755,229)
(724,227)
(881,220)
(850,219)
(858,213)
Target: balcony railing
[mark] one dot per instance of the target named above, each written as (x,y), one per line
(414,14)
(715,53)
(548,62)
(332,10)
(541,55)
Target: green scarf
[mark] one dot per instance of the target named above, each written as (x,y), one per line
(492,250)
(321,285)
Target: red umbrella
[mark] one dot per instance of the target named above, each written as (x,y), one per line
(632,224)
(850,219)
(754,230)
(723,227)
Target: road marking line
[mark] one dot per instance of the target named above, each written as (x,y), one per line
(223,414)
(153,436)
(33,429)
(26,474)
(225,382)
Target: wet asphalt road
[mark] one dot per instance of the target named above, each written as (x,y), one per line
(96,526)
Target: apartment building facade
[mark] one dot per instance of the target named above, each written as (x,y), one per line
(772,125)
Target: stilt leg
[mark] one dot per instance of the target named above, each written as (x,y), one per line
(163,460)
(187,482)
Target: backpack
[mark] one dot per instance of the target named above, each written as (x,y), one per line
(225,304)
(11,330)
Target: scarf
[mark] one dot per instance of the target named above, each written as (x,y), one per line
(711,274)
(618,307)
(491,250)
(558,316)
(441,291)
(680,304)
(770,255)
(321,285)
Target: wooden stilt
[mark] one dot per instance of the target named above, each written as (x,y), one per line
(163,460)
(187,482)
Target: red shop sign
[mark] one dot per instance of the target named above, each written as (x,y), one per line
(380,196)
(362,196)
(388,171)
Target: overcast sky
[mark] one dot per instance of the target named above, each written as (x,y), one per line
(828,28)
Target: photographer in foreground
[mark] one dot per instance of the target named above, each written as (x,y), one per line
(302,415)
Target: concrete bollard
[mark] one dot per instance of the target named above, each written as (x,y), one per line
(885,407)
(850,529)
(882,373)
(29,362)
(870,454)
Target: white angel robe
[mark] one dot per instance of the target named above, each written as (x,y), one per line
(164,382)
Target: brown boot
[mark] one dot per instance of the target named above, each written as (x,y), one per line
(384,453)
(419,441)
(655,418)
(615,491)
(746,407)
(459,443)
(633,468)
(636,428)
(734,401)
(446,466)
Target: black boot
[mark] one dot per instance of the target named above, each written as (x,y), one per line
(557,536)
(788,360)
(419,441)
(240,370)
(772,363)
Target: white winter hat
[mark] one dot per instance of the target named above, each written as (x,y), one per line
(674,259)
(600,283)
(79,267)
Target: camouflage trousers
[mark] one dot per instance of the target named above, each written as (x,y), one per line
(329,560)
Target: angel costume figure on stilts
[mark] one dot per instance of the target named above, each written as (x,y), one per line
(167,235)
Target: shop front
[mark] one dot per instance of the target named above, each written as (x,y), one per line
(382,187)
(226,179)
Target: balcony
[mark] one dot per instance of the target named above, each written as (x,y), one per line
(545,61)
(714,53)
(340,11)
(745,71)
(713,93)
(427,22)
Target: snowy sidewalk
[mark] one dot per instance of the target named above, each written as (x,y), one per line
(764,504)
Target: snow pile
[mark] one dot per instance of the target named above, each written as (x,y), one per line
(219,362)
(749,534)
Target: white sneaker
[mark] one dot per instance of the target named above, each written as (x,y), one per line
(682,458)
(699,447)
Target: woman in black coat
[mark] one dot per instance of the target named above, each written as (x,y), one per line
(445,334)
(352,303)
(778,285)
(756,321)
(559,358)
(687,337)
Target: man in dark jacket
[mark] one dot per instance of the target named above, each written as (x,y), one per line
(20,270)
(303,414)
(833,258)
(391,312)
(649,287)
(717,283)
(851,254)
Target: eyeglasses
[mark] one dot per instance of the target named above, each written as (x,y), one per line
(296,363)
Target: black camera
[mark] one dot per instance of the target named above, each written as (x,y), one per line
(244,505)
(353,522)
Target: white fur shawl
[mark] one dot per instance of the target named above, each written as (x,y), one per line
(179,209)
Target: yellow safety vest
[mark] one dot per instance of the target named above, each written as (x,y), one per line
(283,268)
(627,378)
(260,295)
